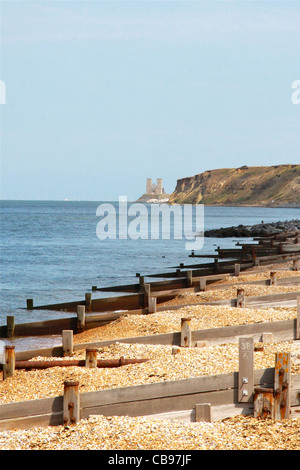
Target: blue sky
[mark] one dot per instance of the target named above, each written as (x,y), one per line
(101,95)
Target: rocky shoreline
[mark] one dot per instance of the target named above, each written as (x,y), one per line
(258,230)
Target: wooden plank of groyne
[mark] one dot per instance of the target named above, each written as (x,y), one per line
(158,405)
(281,330)
(31,408)
(98,305)
(45,327)
(249,301)
(110,304)
(220,390)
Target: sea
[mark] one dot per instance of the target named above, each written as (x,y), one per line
(53,251)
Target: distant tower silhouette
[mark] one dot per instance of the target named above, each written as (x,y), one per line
(159,186)
(152,188)
(149,186)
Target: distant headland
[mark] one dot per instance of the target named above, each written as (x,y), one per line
(263,186)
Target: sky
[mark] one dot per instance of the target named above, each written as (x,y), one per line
(100,95)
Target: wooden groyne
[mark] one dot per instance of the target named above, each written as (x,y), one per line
(148,295)
(208,398)
(265,393)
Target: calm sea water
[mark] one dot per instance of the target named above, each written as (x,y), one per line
(50,252)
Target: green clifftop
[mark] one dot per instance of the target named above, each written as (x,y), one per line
(277,185)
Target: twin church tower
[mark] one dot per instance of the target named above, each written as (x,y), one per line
(152,188)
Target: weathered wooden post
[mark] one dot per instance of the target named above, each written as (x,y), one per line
(273,278)
(202,284)
(186,334)
(10,326)
(263,403)
(189,278)
(147,293)
(88,301)
(245,375)
(141,291)
(237,269)
(9,361)
(267,337)
(295,265)
(91,358)
(203,412)
(298,319)
(142,283)
(152,304)
(67,342)
(175,350)
(216,265)
(240,297)
(253,254)
(282,386)
(80,318)
(71,403)
(29,304)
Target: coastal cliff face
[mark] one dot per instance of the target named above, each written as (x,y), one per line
(277,185)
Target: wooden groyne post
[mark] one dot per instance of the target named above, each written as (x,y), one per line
(240,297)
(91,358)
(245,376)
(152,307)
(202,284)
(203,412)
(71,403)
(88,302)
(10,326)
(274,402)
(282,386)
(237,268)
(29,304)
(9,361)
(273,278)
(189,278)
(298,319)
(67,342)
(186,334)
(80,318)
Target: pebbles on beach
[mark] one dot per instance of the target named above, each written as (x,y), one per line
(142,433)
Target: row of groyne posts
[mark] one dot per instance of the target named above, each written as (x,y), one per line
(149,301)
(268,402)
(272,402)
